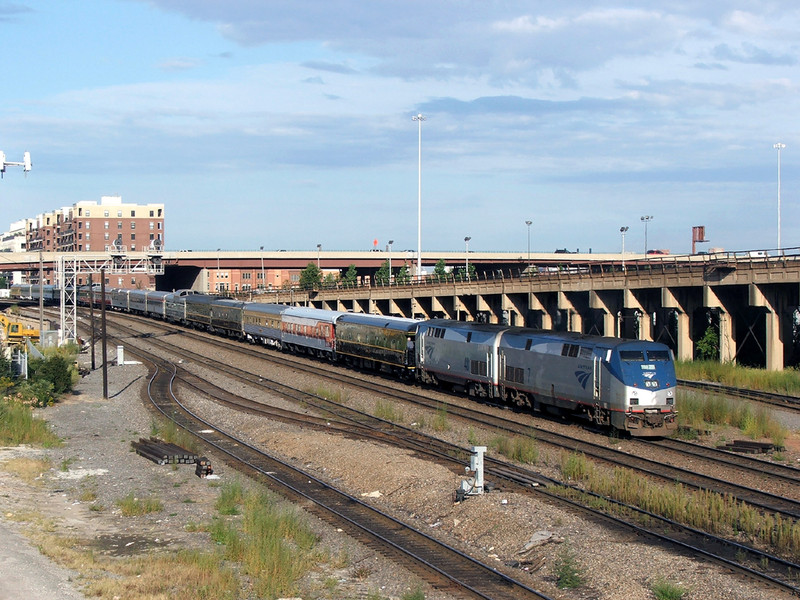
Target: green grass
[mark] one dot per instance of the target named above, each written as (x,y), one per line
(132,506)
(783,382)
(702,509)
(567,571)
(272,543)
(230,499)
(388,412)
(698,410)
(168,431)
(19,426)
(666,590)
(520,449)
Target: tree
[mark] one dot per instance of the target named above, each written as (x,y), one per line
(310,277)
(708,346)
(383,275)
(440,270)
(403,277)
(350,277)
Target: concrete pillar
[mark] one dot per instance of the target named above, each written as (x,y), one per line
(727,325)
(605,302)
(574,316)
(773,346)
(535,303)
(630,300)
(669,299)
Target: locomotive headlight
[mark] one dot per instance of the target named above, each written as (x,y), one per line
(670,400)
(634,401)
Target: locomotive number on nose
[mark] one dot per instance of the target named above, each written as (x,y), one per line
(651,383)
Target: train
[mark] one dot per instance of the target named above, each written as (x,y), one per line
(626,385)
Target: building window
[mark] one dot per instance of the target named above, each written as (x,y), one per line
(106,236)
(133,224)
(133,247)
(151,213)
(119,224)
(119,213)
(87,224)
(105,213)
(133,213)
(151,226)
(159,224)
(105,225)
(88,212)
(133,236)
(159,212)
(88,235)
(80,224)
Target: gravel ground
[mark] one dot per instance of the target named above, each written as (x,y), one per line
(96,458)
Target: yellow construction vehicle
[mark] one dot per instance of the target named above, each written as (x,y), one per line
(15,332)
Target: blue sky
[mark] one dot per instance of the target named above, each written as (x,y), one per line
(287,124)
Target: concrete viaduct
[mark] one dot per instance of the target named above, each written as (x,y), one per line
(751,299)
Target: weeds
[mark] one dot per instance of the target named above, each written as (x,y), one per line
(388,412)
(698,410)
(520,449)
(665,590)
(19,426)
(783,382)
(566,569)
(131,506)
(702,509)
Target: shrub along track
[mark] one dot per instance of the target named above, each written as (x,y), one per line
(737,556)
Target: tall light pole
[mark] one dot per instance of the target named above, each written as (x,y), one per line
(466,256)
(319,249)
(263,278)
(622,230)
(779,147)
(390,260)
(646,219)
(529,223)
(419,119)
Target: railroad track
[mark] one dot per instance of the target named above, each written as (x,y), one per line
(784,401)
(441,565)
(777,503)
(778,572)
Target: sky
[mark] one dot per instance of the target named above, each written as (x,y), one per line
(288,123)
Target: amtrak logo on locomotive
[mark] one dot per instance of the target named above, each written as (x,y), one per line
(583,377)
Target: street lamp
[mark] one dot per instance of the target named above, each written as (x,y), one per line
(622,230)
(419,119)
(466,256)
(779,147)
(390,260)
(319,249)
(646,219)
(529,223)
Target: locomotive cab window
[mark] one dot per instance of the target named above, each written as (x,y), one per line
(658,355)
(632,355)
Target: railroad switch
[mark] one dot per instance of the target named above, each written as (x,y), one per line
(473,486)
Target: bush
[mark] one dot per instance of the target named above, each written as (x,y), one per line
(57,369)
